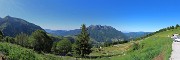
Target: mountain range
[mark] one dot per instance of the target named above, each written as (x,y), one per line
(100,33)
(133,35)
(97,32)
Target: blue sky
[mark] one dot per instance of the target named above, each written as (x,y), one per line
(124,15)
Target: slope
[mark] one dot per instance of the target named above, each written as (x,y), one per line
(11,26)
(155,46)
(16,52)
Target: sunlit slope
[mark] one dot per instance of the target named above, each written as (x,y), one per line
(15,52)
(157,46)
(149,49)
(168,33)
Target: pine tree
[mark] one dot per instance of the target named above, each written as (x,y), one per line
(168,28)
(172,27)
(177,26)
(82,47)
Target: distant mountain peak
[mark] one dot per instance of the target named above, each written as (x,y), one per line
(11,18)
(98,33)
(100,27)
(11,26)
(8,17)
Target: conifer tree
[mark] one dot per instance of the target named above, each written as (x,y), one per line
(177,26)
(1,36)
(82,47)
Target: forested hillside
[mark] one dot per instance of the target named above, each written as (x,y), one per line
(11,26)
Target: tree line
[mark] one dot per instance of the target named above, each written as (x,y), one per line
(40,42)
(161,30)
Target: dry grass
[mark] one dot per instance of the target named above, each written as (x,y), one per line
(159,57)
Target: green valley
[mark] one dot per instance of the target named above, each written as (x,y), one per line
(89,30)
(42,46)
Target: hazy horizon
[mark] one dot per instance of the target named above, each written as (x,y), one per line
(101,25)
(124,15)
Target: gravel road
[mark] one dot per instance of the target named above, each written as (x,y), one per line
(175,55)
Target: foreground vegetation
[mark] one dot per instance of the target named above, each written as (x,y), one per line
(26,47)
(16,52)
(148,49)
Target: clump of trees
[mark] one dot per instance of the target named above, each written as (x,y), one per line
(41,41)
(177,26)
(62,47)
(80,48)
(161,30)
(22,39)
(8,39)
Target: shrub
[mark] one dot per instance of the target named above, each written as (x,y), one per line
(62,47)
(8,39)
(22,39)
(15,52)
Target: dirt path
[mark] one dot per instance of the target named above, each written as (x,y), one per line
(175,55)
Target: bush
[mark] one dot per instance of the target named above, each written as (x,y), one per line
(8,39)
(62,47)
(22,39)
(15,52)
